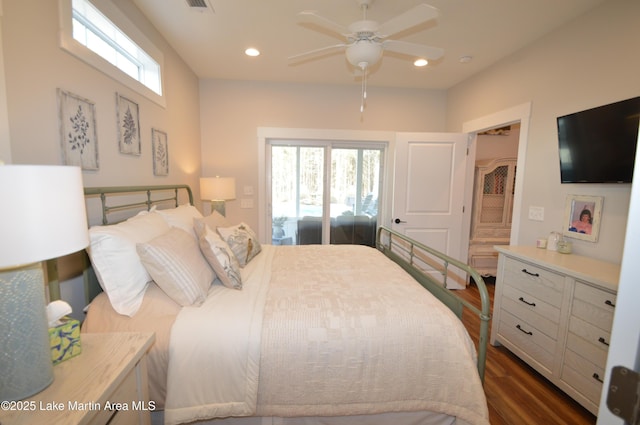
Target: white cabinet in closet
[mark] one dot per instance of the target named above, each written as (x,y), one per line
(492,210)
(555,312)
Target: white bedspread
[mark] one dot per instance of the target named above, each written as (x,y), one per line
(332,330)
(214,353)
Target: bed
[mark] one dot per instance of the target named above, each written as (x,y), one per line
(326,334)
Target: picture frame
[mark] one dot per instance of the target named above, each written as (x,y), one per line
(128,115)
(582,217)
(78,131)
(160,149)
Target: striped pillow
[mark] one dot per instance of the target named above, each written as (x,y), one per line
(176,264)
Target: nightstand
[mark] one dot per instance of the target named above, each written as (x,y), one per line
(106,383)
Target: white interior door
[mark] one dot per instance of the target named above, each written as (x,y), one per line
(429,190)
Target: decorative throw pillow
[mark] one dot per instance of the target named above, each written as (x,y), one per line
(220,258)
(112,251)
(242,241)
(213,220)
(181,217)
(177,266)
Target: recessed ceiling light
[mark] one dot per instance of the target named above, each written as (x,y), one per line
(421,62)
(466,59)
(252,51)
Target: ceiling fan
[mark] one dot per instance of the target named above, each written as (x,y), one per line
(366,39)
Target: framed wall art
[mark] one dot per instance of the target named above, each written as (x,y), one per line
(78,133)
(128,116)
(160,152)
(582,217)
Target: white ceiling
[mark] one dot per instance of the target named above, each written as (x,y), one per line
(212,43)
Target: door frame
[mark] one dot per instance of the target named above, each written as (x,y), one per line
(520,113)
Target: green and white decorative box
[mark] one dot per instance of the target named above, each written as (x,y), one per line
(65,340)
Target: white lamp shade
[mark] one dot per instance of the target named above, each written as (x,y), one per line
(218,188)
(42,215)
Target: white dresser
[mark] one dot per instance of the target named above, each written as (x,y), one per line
(555,312)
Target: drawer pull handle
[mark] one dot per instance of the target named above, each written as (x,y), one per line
(523,331)
(527,302)
(597,377)
(529,273)
(601,340)
(609,303)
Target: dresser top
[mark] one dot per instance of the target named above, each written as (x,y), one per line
(601,273)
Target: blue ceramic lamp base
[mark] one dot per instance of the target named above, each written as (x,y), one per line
(25,357)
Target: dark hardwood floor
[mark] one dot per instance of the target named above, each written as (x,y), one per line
(517,394)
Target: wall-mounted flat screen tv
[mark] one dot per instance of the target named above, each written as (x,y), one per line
(599,145)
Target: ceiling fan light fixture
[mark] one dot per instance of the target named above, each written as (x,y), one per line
(364,52)
(421,62)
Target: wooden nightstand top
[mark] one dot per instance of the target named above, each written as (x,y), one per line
(82,384)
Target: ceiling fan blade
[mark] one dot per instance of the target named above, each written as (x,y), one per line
(412,17)
(317,52)
(413,49)
(312,16)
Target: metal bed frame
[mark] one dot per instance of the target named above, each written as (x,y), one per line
(419,260)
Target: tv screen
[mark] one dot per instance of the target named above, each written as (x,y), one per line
(599,145)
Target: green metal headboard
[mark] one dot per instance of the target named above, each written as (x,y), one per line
(414,256)
(144,199)
(103,192)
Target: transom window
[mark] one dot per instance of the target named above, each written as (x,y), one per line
(95,31)
(101,35)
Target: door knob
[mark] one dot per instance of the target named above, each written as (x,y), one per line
(398,221)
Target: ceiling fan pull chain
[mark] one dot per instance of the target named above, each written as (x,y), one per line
(364,86)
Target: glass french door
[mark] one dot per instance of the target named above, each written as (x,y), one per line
(324,192)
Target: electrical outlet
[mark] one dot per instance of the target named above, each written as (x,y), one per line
(536,213)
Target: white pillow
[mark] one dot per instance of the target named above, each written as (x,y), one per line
(220,258)
(242,241)
(177,266)
(181,217)
(112,250)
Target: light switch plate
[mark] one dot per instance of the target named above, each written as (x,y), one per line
(246,203)
(536,213)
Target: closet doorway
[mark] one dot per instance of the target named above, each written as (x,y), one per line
(495,171)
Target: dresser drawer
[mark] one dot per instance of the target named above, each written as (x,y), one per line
(544,284)
(596,354)
(531,310)
(583,375)
(594,306)
(593,335)
(528,338)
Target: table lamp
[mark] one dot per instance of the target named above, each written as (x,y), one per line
(42,217)
(218,190)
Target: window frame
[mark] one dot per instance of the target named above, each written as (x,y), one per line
(77,49)
(384,140)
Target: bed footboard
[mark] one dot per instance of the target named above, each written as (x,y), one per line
(432,269)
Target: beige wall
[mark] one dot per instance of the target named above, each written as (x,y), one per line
(231,112)
(586,63)
(589,62)
(35,66)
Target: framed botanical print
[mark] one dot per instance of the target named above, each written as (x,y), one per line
(78,133)
(582,217)
(160,152)
(128,116)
